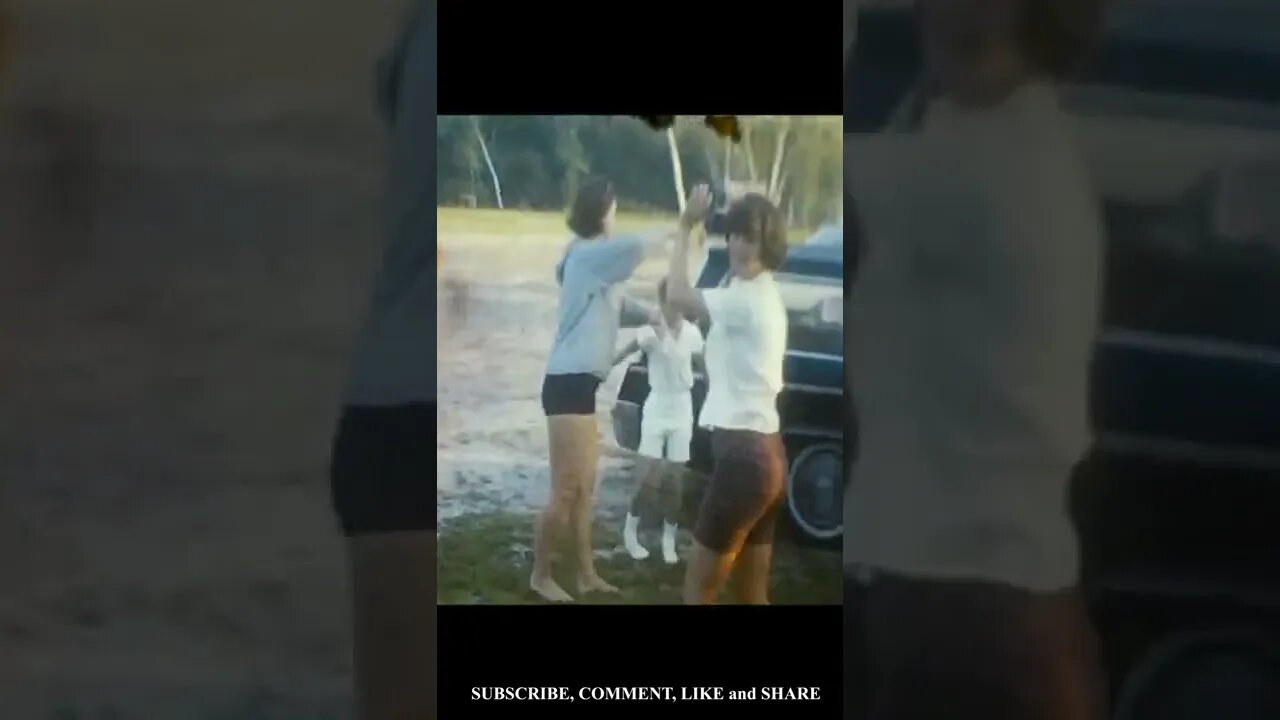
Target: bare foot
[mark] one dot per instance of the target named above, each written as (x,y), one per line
(592,582)
(549,589)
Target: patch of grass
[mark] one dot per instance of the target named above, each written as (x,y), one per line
(532,222)
(547,222)
(486,557)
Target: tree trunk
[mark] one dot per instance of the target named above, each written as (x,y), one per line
(750,151)
(676,170)
(484,148)
(780,152)
(728,161)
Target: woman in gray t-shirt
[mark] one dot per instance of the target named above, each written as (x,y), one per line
(383,461)
(592,308)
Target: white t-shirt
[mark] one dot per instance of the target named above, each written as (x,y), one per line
(973,320)
(746,346)
(670,356)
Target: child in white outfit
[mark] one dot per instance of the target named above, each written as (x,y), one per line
(666,426)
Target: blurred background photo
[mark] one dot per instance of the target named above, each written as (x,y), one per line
(1177,112)
(189,198)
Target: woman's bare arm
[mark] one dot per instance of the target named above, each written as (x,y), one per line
(627,351)
(636,314)
(680,289)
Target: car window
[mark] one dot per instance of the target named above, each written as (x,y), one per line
(830,235)
(1192,245)
(815,308)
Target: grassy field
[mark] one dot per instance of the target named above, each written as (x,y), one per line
(485,558)
(533,222)
(546,222)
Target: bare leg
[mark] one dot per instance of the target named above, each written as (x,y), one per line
(751,574)
(708,569)
(586,460)
(393,588)
(707,572)
(550,526)
(562,432)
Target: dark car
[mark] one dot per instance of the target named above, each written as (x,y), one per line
(810,407)
(1177,501)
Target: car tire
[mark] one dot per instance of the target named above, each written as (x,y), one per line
(808,527)
(1189,670)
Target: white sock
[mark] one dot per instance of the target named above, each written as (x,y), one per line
(669,543)
(631,541)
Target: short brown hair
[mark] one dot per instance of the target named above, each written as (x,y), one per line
(586,217)
(756,219)
(1059,36)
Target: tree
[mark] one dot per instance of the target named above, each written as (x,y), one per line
(488,159)
(779,153)
(539,162)
(811,182)
(574,161)
(676,169)
(748,148)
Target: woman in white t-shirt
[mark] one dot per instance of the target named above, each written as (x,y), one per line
(974,315)
(745,349)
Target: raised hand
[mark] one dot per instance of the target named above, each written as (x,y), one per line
(697,206)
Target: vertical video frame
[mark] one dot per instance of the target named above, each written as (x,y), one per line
(640,353)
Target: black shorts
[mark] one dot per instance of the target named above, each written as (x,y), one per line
(744,494)
(573,394)
(382,472)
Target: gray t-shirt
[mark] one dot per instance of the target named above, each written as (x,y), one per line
(394,360)
(592,303)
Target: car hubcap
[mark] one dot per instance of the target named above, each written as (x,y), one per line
(815,491)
